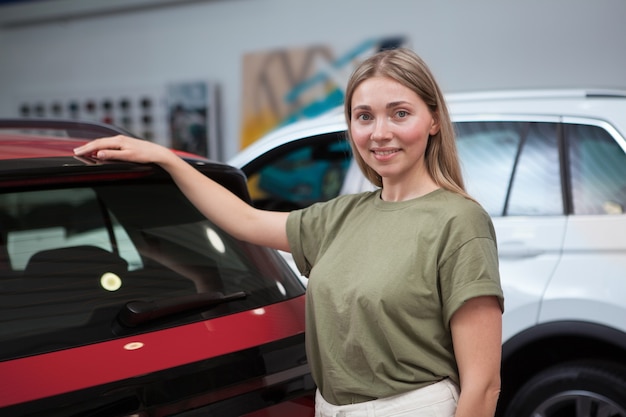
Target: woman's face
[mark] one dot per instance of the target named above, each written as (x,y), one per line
(390,126)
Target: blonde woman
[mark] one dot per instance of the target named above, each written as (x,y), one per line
(404,303)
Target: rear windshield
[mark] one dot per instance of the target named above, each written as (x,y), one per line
(71,259)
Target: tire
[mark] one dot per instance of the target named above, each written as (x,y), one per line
(575,389)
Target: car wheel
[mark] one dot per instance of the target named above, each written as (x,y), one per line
(576,389)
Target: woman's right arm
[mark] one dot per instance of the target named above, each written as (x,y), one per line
(224,208)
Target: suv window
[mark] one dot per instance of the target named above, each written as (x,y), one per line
(512,168)
(598,171)
(297,177)
(76,256)
(536,185)
(487,151)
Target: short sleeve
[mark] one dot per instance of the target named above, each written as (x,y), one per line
(471,271)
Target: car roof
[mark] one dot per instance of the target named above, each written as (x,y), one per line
(31,155)
(607,105)
(603,105)
(44,138)
(14,146)
(23,146)
(36,159)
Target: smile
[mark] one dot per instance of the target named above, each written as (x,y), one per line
(383,153)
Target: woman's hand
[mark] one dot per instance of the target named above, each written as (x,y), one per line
(124,148)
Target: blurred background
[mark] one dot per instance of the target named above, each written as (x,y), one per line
(211,76)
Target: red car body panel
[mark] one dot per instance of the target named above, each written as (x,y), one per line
(28,379)
(136,364)
(18,146)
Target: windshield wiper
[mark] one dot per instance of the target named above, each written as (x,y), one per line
(136,313)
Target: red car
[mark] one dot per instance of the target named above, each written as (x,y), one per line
(118,298)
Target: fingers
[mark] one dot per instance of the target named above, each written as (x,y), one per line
(124,148)
(118,147)
(98,147)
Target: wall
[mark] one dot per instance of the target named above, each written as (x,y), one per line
(480,44)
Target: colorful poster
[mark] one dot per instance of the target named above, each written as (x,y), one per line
(285,85)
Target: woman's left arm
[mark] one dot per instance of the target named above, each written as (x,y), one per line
(477,336)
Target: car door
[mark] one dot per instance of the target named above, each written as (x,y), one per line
(590,282)
(511,166)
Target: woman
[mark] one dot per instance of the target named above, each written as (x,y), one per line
(404,302)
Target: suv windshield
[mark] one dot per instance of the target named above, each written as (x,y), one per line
(92,263)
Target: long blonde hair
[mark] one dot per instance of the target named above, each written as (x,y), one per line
(407,68)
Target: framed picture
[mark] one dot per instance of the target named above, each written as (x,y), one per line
(192,117)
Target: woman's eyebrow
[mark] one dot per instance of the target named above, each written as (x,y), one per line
(388,105)
(362,107)
(396,103)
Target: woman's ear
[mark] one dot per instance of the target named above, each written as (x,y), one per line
(434,126)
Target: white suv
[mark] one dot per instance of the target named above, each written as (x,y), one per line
(550,168)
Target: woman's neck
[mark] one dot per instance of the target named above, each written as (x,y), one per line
(404,191)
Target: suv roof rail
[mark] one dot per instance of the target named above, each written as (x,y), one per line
(606,93)
(535,94)
(73,128)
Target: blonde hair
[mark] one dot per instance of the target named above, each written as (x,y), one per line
(408,69)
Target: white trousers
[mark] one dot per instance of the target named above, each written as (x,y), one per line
(436,400)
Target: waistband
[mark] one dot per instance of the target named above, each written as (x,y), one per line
(431,395)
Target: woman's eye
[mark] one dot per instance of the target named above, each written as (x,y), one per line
(363,117)
(402,113)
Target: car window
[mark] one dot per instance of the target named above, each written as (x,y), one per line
(511,168)
(598,171)
(296,177)
(536,185)
(39,213)
(487,152)
(71,259)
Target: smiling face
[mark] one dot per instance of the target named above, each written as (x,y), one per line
(390,126)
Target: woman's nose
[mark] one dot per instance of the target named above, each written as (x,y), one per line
(381,130)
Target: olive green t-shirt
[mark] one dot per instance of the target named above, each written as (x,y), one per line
(384,280)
